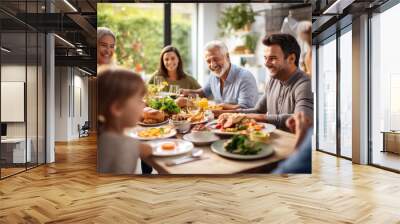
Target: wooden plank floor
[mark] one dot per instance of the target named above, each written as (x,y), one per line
(70,191)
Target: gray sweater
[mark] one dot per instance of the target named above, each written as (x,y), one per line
(282,99)
(117,154)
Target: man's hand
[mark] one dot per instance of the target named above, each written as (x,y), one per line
(299,123)
(227,106)
(217,113)
(291,124)
(257,117)
(186,92)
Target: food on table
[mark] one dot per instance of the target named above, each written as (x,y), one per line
(153,116)
(197,117)
(215,107)
(203,103)
(200,127)
(165,104)
(234,122)
(259,136)
(180,117)
(241,144)
(181,101)
(154,132)
(168,146)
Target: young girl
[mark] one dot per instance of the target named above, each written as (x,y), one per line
(120,98)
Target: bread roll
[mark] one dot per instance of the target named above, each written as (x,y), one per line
(150,114)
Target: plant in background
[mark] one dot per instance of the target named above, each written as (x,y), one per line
(237,17)
(140,36)
(250,42)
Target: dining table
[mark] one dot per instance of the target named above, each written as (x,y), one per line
(282,142)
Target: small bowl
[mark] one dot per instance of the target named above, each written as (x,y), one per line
(201,137)
(181,126)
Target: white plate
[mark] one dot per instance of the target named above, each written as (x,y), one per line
(201,137)
(267,128)
(182,147)
(135,131)
(218,148)
(153,125)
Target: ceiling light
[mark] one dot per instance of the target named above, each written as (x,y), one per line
(338,6)
(5,50)
(65,41)
(71,6)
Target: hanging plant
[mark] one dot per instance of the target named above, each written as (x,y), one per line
(236,17)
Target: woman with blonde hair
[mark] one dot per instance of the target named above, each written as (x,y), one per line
(105,46)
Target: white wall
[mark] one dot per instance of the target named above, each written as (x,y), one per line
(71,94)
(16,73)
(33,127)
(208,31)
(211,31)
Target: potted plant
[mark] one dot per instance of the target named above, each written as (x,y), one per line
(250,42)
(238,17)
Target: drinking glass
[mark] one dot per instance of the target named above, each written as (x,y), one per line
(192,106)
(174,91)
(158,80)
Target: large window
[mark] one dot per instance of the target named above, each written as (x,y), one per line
(334,109)
(326,104)
(22,89)
(139,32)
(183,31)
(346,92)
(385,88)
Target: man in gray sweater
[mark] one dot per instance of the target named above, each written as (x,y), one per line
(289,89)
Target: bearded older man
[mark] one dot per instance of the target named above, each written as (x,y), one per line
(231,86)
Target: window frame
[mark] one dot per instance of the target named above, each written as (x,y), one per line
(379,10)
(334,36)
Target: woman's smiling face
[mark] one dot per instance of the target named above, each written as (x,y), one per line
(171,61)
(105,49)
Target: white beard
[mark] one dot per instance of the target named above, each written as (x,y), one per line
(223,70)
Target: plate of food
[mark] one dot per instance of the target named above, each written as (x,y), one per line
(197,118)
(171,147)
(241,147)
(235,123)
(153,133)
(153,118)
